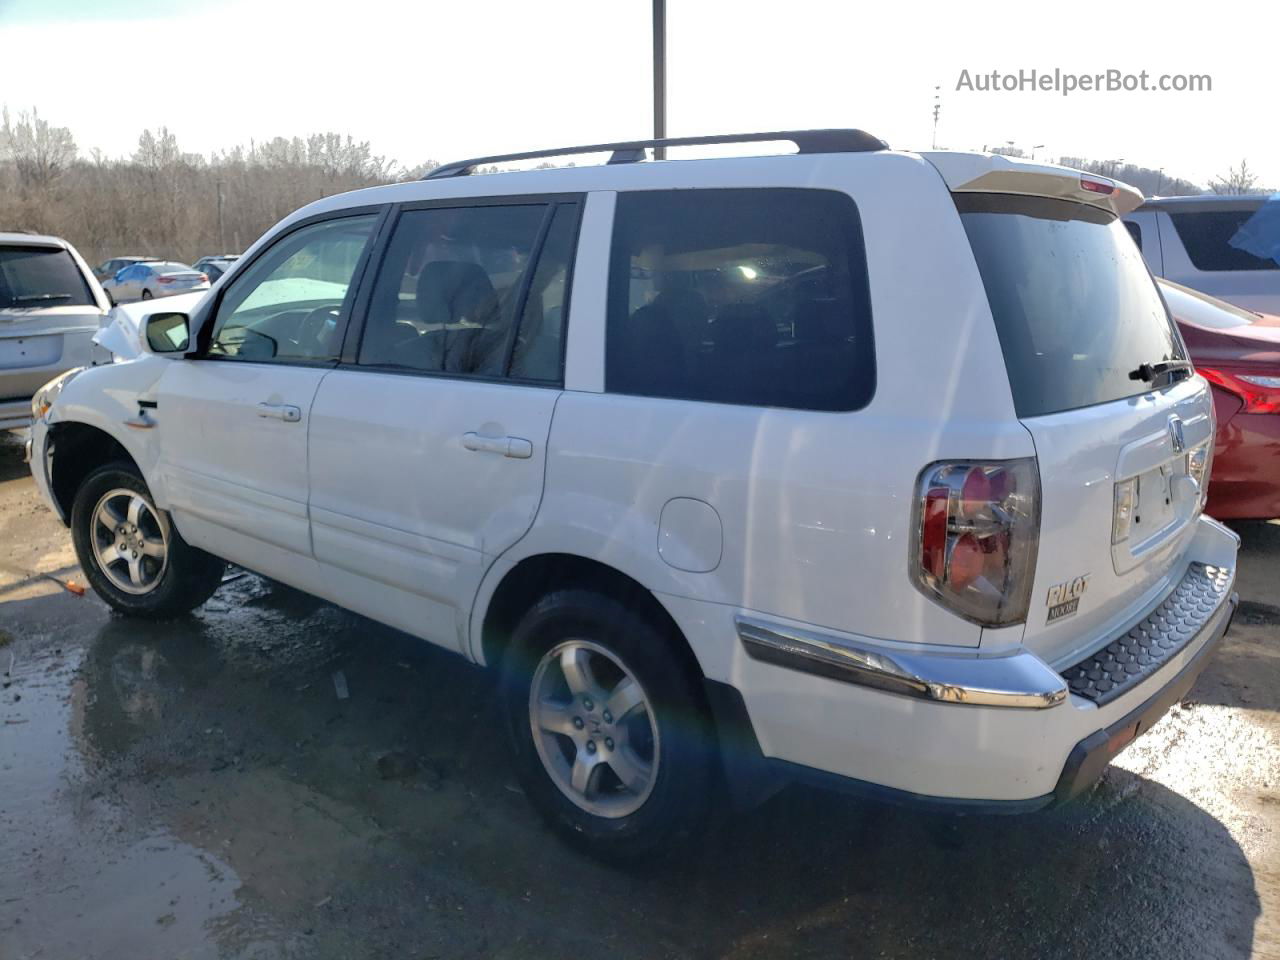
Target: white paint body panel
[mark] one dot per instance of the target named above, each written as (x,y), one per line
(405,518)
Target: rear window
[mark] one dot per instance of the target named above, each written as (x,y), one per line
(1215,241)
(1075,308)
(41,277)
(755,296)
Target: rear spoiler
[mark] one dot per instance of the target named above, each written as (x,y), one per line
(992,173)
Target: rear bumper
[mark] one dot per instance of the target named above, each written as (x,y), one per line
(960,750)
(15,414)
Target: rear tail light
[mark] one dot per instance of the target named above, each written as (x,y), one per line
(1260,392)
(203,278)
(1199,466)
(165,279)
(975,535)
(1126,496)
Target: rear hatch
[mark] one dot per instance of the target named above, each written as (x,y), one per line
(1099,377)
(44,298)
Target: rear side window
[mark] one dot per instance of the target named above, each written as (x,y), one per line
(41,277)
(755,296)
(457,291)
(1135,231)
(1074,305)
(1208,237)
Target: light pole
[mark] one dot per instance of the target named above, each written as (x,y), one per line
(937,109)
(659,76)
(222,233)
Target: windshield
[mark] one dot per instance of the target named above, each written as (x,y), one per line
(41,277)
(1074,305)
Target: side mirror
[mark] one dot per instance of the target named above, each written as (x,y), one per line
(168,332)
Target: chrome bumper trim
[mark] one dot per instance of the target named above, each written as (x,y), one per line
(1020,680)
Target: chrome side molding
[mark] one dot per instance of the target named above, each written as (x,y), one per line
(1020,681)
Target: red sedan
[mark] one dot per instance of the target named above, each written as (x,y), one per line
(1238,352)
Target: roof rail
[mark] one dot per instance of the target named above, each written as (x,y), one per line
(632,151)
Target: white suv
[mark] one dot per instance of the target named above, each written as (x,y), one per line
(857,465)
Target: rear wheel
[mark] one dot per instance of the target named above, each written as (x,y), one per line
(608,726)
(129,551)
(146,294)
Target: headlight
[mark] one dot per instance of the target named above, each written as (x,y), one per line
(44,397)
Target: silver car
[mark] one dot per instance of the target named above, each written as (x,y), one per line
(1225,246)
(50,307)
(160,278)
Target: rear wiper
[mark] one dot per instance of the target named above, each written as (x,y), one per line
(1149,371)
(37,297)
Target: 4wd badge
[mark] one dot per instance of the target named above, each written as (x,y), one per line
(1064,598)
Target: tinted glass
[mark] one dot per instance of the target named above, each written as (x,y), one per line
(740,296)
(539,343)
(446,292)
(1208,237)
(40,277)
(292,303)
(1074,305)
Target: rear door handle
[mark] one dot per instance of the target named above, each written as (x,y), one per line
(515,447)
(280,411)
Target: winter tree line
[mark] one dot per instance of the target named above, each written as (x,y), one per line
(161,201)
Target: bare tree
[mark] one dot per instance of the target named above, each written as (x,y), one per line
(1236,181)
(40,153)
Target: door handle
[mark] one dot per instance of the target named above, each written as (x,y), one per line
(280,411)
(515,447)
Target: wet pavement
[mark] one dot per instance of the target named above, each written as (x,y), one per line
(198,789)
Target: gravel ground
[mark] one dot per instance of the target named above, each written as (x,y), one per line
(197,789)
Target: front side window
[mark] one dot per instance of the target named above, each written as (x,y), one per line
(293,302)
(453,282)
(752,296)
(40,277)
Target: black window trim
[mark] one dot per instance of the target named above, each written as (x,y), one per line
(205,317)
(862,290)
(360,311)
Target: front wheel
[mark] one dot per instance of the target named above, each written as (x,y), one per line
(131,554)
(607,722)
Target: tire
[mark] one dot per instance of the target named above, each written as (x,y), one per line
(611,820)
(146,294)
(166,584)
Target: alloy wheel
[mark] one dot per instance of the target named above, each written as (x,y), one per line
(594,729)
(130,541)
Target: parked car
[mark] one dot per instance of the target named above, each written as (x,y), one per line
(161,278)
(1238,352)
(1225,246)
(109,268)
(215,267)
(50,306)
(725,467)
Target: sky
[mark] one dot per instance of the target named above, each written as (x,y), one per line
(422,79)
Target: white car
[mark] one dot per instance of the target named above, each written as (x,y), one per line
(1225,246)
(874,468)
(50,308)
(152,279)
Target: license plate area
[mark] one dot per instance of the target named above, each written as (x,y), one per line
(1153,509)
(19,352)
